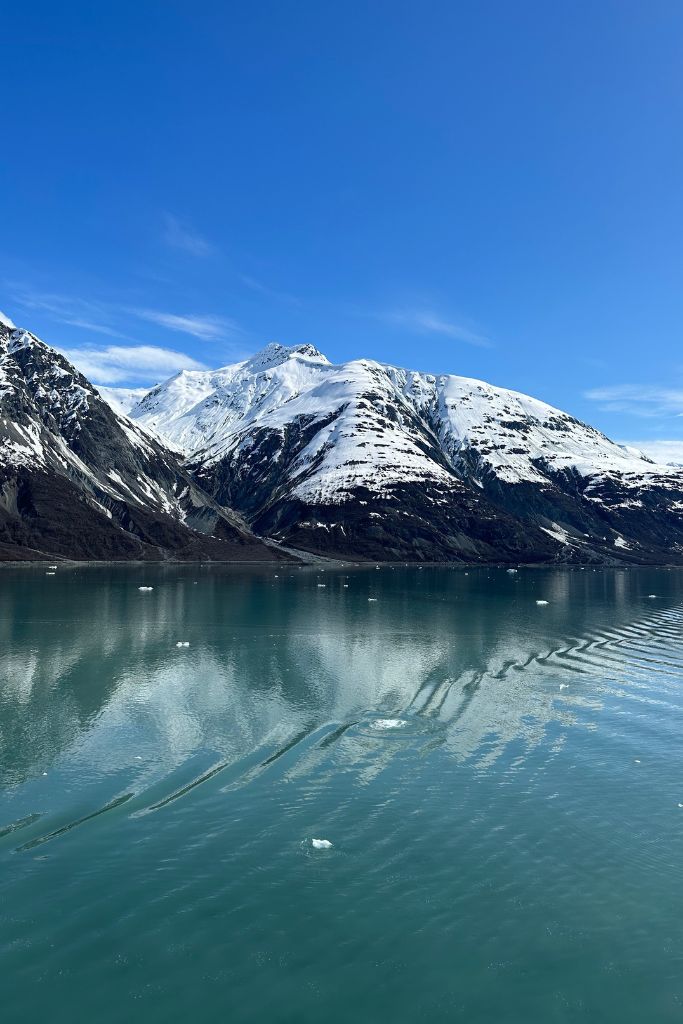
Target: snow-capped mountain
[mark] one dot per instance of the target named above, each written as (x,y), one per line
(370,460)
(79,480)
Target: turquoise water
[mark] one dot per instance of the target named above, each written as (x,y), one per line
(501,782)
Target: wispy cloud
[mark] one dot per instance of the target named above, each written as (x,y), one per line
(179,235)
(89,316)
(271,293)
(204,326)
(114,320)
(647,402)
(423,321)
(661,451)
(134,364)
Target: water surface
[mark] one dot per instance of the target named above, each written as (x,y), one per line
(500,782)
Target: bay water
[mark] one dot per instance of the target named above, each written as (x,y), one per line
(353,794)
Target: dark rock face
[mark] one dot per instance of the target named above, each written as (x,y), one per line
(399,526)
(78,481)
(474,517)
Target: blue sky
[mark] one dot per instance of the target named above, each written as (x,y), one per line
(486,188)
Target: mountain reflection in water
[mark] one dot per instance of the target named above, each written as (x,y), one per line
(452,737)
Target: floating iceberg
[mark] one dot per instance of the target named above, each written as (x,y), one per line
(388,723)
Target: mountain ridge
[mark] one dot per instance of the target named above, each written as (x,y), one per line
(308,451)
(286,451)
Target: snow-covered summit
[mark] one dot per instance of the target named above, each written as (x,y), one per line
(195,408)
(478,429)
(276,354)
(303,447)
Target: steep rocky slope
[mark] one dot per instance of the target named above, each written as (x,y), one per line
(78,480)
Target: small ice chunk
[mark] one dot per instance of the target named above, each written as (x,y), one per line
(637,760)
(372,599)
(563,686)
(322,584)
(321,844)
(541,602)
(183,643)
(346,586)
(44,773)
(145,588)
(651,595)
(52,566)
(511,570)
(49,574)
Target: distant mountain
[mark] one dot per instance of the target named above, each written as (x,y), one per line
(373,461)
(78,480)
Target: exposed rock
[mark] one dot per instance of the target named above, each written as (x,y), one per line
(78,480)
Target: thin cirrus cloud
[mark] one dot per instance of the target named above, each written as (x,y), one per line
(422,321)
(66,309)
(646,402)
(140,364)
(178,235)
(206,327)
(113,320)
(271,293)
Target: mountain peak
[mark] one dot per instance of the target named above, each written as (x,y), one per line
(275,354)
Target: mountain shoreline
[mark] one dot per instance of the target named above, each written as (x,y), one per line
(286,456)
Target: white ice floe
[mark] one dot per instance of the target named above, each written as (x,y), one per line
(321,844)
(511,571)
(145,588)
(563,686)
(183,643)
(651,595)
(541,602)
(49,574)
(372,599)
(52,566)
